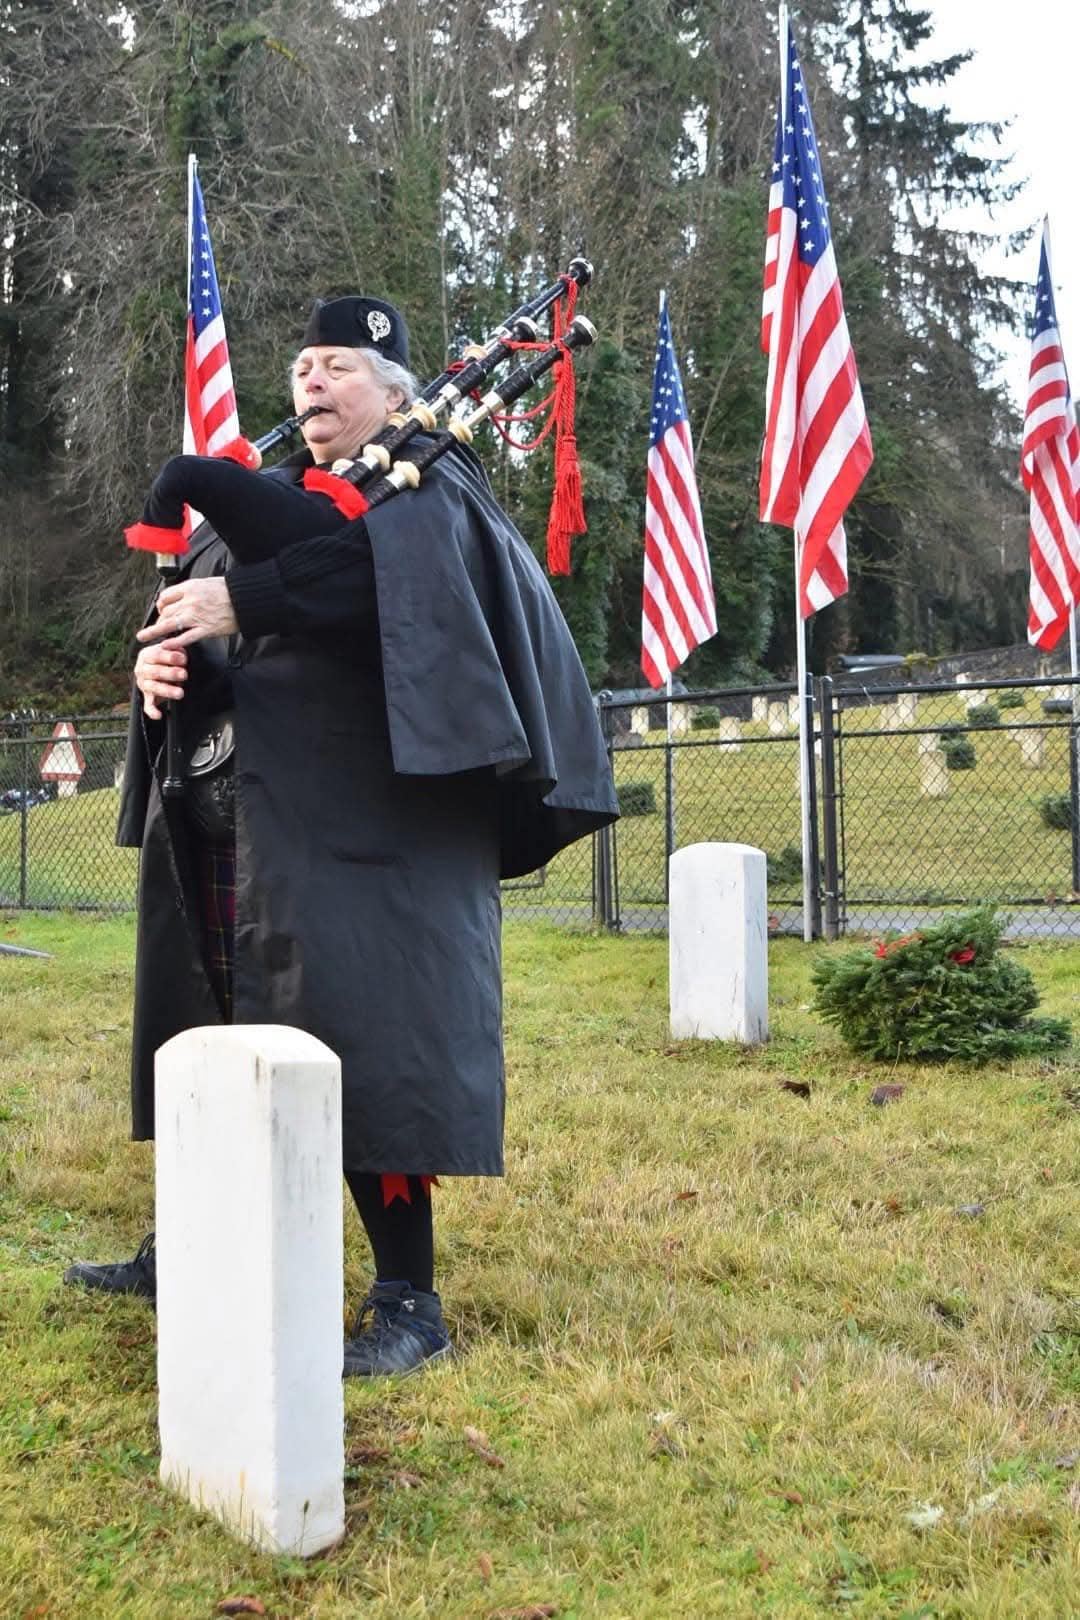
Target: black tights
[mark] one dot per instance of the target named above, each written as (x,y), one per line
(401,1235)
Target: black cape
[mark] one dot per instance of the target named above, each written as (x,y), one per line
(385,781)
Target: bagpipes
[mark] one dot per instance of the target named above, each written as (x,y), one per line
(256,517)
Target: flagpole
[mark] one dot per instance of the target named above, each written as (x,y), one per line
(1074,752)
(805,744)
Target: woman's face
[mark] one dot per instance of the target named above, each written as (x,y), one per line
(353,405)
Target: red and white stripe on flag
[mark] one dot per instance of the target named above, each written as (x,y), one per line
(678,607)
(210,415)
(817,441)
(1050,467)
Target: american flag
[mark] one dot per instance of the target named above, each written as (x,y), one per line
(817,443)
(1050,466)
(678,609)
(210,416)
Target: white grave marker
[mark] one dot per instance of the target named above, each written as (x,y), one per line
(718,937)
(730,734)
(1033,749)
(778,719)
(934,772)
(759,709)
(250,1279)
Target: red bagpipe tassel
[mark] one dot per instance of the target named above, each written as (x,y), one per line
(345,496)
(567,515)
(394,1186)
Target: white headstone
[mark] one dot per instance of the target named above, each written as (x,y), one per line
(718,943)
(778,719)
(890,717)
(934,782)
(759,708)
(250,1279)
(793,709)
(907,705)
(680,717)
(639,720)
(1033,749)
(730,734)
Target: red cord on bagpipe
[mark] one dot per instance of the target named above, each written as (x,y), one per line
(567,515)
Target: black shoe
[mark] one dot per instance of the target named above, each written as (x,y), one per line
(137,1276)
(399,1329)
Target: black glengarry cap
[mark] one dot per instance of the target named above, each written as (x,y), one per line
(358,323)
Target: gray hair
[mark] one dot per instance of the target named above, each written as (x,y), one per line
(387,373)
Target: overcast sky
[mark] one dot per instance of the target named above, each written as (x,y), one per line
(1025,69)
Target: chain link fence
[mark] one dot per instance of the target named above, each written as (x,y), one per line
(926,797)
(948,795)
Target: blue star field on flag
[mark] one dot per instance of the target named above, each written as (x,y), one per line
(668,401)
(795,159)
(1045,315)
(204,300)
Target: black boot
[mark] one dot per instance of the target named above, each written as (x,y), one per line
(399,1329)
(137,1276)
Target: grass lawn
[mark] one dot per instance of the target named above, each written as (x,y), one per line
(741,1352)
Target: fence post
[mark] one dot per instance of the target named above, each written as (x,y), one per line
(24,811)
(605,882)
(1074,785)
(669,798)
(815,848)
(830,845)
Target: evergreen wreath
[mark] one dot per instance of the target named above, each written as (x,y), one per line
(946,992)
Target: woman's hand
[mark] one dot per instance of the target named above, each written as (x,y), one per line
(190,612)
(160,675)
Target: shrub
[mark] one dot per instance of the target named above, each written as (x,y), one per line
(705,720)
(943,993)
(785,869)
(1056,811)
(982,715)
(1010,699)
(959,751)
(636,799)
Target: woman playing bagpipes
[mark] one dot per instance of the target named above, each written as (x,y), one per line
(376,722)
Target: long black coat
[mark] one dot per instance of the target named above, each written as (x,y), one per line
(412,721)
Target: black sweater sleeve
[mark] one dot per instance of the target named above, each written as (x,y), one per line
(324,584)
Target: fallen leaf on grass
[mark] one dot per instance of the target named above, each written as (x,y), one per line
(404,1481)
(763,1562)
(794,1497)
(477,1441)
(681,1198)
(885,1094)
(798,1088)
(38,1612)
(486,1566)
(358,1456)
(241,1605)
(531,1611)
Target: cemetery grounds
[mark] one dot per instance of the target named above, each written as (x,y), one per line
(735,1342)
